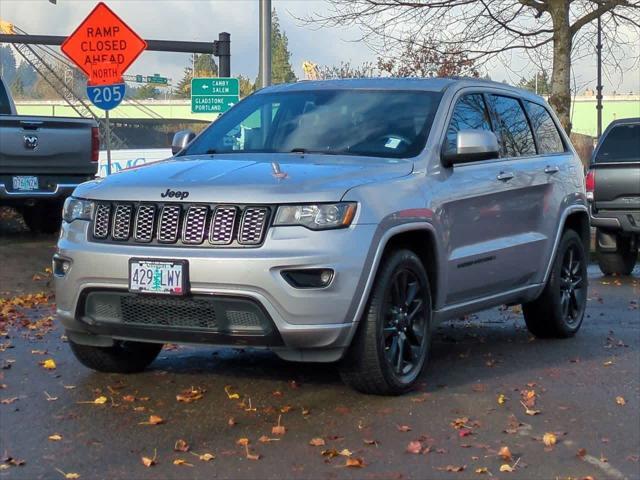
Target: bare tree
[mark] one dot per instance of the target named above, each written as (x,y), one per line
(423,60)
(560,30)
(347,70)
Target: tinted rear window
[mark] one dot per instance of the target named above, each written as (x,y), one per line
(513,128)
(621,144)
(549,140)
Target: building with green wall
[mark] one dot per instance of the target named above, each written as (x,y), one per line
(583,110)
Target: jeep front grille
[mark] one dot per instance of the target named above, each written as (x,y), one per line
(188,225)
(102,221)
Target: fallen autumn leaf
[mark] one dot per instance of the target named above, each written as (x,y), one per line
(549,439)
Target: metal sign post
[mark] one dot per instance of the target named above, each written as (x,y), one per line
(108,128)
(107,97)
(265,43)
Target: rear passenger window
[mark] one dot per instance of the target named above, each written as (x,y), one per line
(470,113)
(513,128)
(549,140)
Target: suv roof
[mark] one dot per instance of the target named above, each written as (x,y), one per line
(438,84)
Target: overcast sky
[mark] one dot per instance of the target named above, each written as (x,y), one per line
(201,20)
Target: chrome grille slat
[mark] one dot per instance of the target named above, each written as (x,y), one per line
(194,225)
(252,225)
(222,225)
(145,220)
(121,229)
(189,225)
(102,220)
(169,223)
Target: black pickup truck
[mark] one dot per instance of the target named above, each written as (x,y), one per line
(42,160)
(613,188)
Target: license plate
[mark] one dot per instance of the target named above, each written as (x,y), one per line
(164,277)
(25,183)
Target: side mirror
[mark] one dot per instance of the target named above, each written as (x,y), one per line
(181,139)
(472,146)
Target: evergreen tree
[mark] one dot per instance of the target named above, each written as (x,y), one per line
(27,75)
(17,88)
(7,64)
(183,88)
(205,66)
(145,91)
(246,86)
(281,69)
(544,85)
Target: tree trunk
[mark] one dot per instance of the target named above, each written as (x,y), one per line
(560,98)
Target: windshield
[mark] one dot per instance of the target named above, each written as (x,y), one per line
(621,144)
(377,123)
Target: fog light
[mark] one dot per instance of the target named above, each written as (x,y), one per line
(61,266)
(309,277)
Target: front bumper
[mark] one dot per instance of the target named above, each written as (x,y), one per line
(309,324)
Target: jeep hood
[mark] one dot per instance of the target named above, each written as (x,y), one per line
(238,178)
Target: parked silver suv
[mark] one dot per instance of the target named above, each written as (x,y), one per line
(333,221)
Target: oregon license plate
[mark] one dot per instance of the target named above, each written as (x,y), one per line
(25,183)
(164,277)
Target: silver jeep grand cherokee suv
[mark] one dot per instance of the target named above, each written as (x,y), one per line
(333,221)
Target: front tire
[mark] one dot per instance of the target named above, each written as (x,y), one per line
(620,262)
(43,218)
(122,357)
(391,345)
(559,310)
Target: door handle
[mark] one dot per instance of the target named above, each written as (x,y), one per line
(505,176)
(551,169)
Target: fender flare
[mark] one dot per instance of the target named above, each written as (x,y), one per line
(563,221)
(374,264)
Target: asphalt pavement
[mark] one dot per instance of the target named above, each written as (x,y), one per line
(204,412)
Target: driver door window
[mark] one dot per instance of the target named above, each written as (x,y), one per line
(248,134)
(470,113)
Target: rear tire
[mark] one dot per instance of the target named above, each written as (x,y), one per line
(620,262)
(558,312)
(43,218)
(391,345)
(122,357)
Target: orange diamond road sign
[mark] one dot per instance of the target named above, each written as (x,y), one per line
(103,46)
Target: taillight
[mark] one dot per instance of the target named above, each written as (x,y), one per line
(590,184)
(95,144)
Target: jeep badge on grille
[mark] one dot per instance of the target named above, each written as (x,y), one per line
(175,194)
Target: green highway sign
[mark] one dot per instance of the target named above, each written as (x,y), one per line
(214,95)
(157,79)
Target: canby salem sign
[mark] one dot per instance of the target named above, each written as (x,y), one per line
(103,46)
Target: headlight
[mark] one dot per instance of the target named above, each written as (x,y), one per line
(321,216)
(77,209)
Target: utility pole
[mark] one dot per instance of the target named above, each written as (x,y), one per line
(265,43)
(599,85)
(224,54)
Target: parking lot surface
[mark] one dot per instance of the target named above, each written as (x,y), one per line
(562,408)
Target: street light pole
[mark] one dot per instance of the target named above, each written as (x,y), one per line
(265,43)
(599,85)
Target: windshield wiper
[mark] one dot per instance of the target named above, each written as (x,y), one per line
(211,151)
(315,152)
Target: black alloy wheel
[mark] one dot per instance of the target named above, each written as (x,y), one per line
(405,322)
